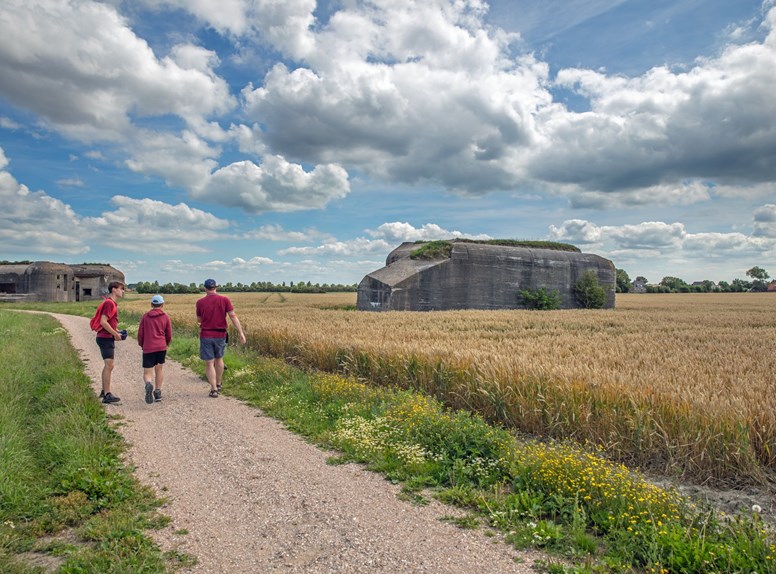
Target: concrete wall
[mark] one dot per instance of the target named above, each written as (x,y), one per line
(93,280)
(50,281)
(478,276)
(40,281)
(10,278)
(46,281)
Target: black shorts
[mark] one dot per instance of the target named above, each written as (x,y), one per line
(107,347)
(150,360)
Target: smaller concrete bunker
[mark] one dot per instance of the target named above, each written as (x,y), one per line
(479,275)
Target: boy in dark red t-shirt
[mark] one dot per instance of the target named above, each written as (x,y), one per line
(107,337)
(212,311)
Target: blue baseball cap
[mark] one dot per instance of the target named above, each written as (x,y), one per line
(157,300)
(210,283)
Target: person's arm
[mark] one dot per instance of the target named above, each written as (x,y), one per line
(168,331)
(140,333)
(236,323)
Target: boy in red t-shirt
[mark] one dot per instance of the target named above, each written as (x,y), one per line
(153,335)
(212,310)
(107,337)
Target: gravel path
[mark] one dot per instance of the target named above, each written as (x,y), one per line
(247,496)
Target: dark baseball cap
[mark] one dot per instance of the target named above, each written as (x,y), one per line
(210,283)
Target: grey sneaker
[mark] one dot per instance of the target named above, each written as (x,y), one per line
(149,389)
(110,398)
(158,395)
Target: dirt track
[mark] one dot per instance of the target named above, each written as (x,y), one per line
(247,496)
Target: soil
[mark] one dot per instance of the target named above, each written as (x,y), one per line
(732,501)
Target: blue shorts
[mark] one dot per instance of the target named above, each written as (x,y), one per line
(210,349)
(107,347)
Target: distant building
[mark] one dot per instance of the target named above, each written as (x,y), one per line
(46,281)
(771,287)
(478,276)
(638,286)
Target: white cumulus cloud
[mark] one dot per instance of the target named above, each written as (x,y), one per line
(275,185)
(398,232)
(35,222)
(81,69)
(353,248)
(147,224)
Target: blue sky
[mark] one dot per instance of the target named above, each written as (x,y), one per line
(258,140)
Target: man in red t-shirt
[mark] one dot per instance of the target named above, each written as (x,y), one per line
(107,337)
(212,310)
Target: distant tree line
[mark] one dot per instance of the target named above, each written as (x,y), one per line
(255,287)
(758,283)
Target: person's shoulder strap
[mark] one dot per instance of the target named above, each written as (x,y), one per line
(112,308)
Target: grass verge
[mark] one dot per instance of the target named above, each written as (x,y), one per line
(67,501)
(589,514)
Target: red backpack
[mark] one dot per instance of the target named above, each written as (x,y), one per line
(95,321)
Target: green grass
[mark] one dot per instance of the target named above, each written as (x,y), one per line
(441,248)
(82,308)
(587,513)
(65,495)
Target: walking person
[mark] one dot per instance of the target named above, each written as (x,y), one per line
(107,335)
(212,311)
(153,335)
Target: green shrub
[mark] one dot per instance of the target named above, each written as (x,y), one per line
(441,248)
(589,292)
(540,299)
(433,250)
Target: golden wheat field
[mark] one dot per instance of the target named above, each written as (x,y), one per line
(679,382)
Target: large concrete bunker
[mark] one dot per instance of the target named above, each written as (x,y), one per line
(479,276)
(46,281)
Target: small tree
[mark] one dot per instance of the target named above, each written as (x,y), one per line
(589,292)
(540,299)
(675,284)
(623,281)
(709,286)
(758,273)
(759,276)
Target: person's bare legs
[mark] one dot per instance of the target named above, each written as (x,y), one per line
(158,376)
(210,373)
(107,371)
(219,369)
(148,375)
